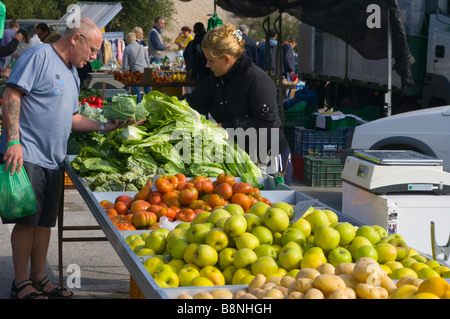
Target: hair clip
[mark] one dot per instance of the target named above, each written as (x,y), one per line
(238,34)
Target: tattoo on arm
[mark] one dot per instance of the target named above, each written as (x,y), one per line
(13,113)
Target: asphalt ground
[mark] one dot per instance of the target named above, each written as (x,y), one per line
(102,273)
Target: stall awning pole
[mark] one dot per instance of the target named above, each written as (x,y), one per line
(388,95)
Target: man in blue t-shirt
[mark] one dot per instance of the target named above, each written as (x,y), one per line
(40,108)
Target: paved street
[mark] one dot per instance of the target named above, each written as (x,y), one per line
(103,274)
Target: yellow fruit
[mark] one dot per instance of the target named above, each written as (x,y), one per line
(392,264)
(404,292)
(425,295)
(311,261)
(426,273)
(441,270)
(386,269)
(432,263)
(436,285)
(332,217)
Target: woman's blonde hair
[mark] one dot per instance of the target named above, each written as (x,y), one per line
(224,40)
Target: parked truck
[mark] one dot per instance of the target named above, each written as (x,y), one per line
(345,79)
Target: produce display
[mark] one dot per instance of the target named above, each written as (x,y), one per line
(243,239)
(128,76)
(174,138)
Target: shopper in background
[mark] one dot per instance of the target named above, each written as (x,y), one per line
(9,49)
(239,95)
(139,35)
(8,35)
(42,31)
(23,45)
(289,58)
(35,39)
(183,39)
(156,45)
(199,69)
(251,49)
(135,58)
(40,108)
(267,63)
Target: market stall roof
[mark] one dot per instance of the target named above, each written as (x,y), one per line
(346,19)
(99,12)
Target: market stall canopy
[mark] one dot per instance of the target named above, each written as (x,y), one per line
(99,12)
(346,19)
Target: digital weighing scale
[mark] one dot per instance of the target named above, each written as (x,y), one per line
(106,81)
(403,191)
(387,172)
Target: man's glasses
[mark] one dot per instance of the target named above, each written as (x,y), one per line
(93,50)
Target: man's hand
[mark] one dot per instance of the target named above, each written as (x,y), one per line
(114,125)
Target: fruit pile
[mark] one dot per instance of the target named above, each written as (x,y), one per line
(159,78)
(128,76)
(178,198)
(178,77)
(346,281)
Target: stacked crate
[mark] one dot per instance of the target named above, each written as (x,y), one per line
(316,156)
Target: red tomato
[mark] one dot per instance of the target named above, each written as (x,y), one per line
(226,178)
(168,212)
(188,195)
(143,219)
(241,199)
(244,188)
(163,185)
(216,200)
(185,215)
(204,186)
(225,190)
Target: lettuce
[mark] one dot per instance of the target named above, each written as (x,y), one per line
(121,107)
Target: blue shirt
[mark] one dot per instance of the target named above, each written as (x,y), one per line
(50,99)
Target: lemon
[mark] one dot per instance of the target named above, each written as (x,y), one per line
(425,295)
(386,269)
(392,264)
(441,270)
(418,266)
(436,285)
(404,292)
(432,263)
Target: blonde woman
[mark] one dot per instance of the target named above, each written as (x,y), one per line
(239,94)
(139,35)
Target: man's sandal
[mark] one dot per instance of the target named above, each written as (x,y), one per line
(55,293)
(15,289)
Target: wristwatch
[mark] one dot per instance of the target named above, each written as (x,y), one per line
(102,127)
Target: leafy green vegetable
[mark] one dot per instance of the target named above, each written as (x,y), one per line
(121,107)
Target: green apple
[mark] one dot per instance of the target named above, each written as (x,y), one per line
(239,274)
(135,243)
(265,250)
(197,233)
(176,232)
(185,275)
(286,207)
(370,233)
(176,247)
(234,209)
(164,267)
(258,208)
(303,225)
(393,264)
(386,252)
(366,251)
(317,251)
(177,263)
(205,255)
(132,237)
(226,257)
(346,232)
(441,269)
(427,272)
(276,219)
(339,255)
(200,218)
(263,234)
(244,257)
(183,225)
(389,237)
(252,221)
(217,214)
(247,240)
(401,272)
(213,274)
(420,258)
(276,238)
(228,274)
(432,263)
(167,279)
(316,219)
(152,264)
(357,242)
(332,216)
(401,246)
(264,265)
(201,281)
(290,256)
(326,237)
(381,230)
(145,252)
(157,240)
(293,234)
(217,238)
(406,262)
(311,261)
(235,225)
(221,222)
(189,253)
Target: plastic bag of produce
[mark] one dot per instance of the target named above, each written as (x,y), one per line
(17,197)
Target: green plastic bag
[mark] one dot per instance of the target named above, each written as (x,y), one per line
(17,197)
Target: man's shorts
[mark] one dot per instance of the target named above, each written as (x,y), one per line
(48,187)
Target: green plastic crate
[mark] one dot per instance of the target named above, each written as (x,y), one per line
(298,115)
(322,172)
(333,125)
